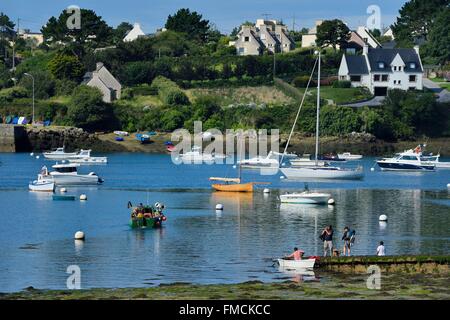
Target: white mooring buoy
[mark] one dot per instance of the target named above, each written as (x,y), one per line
(32,154)
(83,197)
(383,217)
(62,190)
(372,169)
(266,190)
(79,235)
(37,157)
(448,185)
(219,206)
(331,201)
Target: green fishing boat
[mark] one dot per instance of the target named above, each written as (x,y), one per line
(147,216)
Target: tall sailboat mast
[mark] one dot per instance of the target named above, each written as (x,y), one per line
(318,111)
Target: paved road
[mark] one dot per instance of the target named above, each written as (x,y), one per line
(443,94)
(374,102)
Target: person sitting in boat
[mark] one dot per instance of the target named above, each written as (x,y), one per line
(296,255)
(148,212)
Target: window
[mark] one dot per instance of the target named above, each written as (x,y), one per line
(399,68)
(395,68)
(376,77)
(384,77)
(241,50)
(247,39)
(412,65)
(381,65)
(355,78)
(412,78)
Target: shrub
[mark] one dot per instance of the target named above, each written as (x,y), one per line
(88,111)
(8,95)
(169,92)
(301,82)
(64,87)
(342,84)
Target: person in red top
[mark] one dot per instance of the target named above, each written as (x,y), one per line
(296,255)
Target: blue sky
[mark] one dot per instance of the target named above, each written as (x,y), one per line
(225,14)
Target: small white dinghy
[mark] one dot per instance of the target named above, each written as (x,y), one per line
(306,197)
(349,156)
(42,184)
(297,264)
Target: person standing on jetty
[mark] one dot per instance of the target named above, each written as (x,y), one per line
(349,239)
(327,238)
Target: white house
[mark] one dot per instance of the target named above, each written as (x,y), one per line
(134,33)
(102,79)
(381,69)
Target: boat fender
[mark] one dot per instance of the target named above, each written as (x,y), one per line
(83,197)
(219,206)
(383,217)
(331,201)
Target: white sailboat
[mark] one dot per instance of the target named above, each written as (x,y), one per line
(317,171)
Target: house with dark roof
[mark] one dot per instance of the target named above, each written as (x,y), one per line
(381,69)
(267,35)
(102,79)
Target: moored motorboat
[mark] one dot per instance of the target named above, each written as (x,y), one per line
(297,264)
(196,156)
(348,156)
(59,154)
(260,162)
(44,183)
(67,174)
(307,161)
(84,157)
(406,161)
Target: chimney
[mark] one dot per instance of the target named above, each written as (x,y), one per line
(366,49)
(416,48)
(99,66)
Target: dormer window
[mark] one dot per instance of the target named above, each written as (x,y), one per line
(381,65)
(412,65)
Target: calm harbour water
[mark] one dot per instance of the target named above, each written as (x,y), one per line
(197,244)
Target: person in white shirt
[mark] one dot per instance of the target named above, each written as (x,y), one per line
(381,250)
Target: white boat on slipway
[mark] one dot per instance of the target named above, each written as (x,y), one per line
(297,264)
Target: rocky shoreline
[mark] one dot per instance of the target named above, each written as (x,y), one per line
(42,139)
